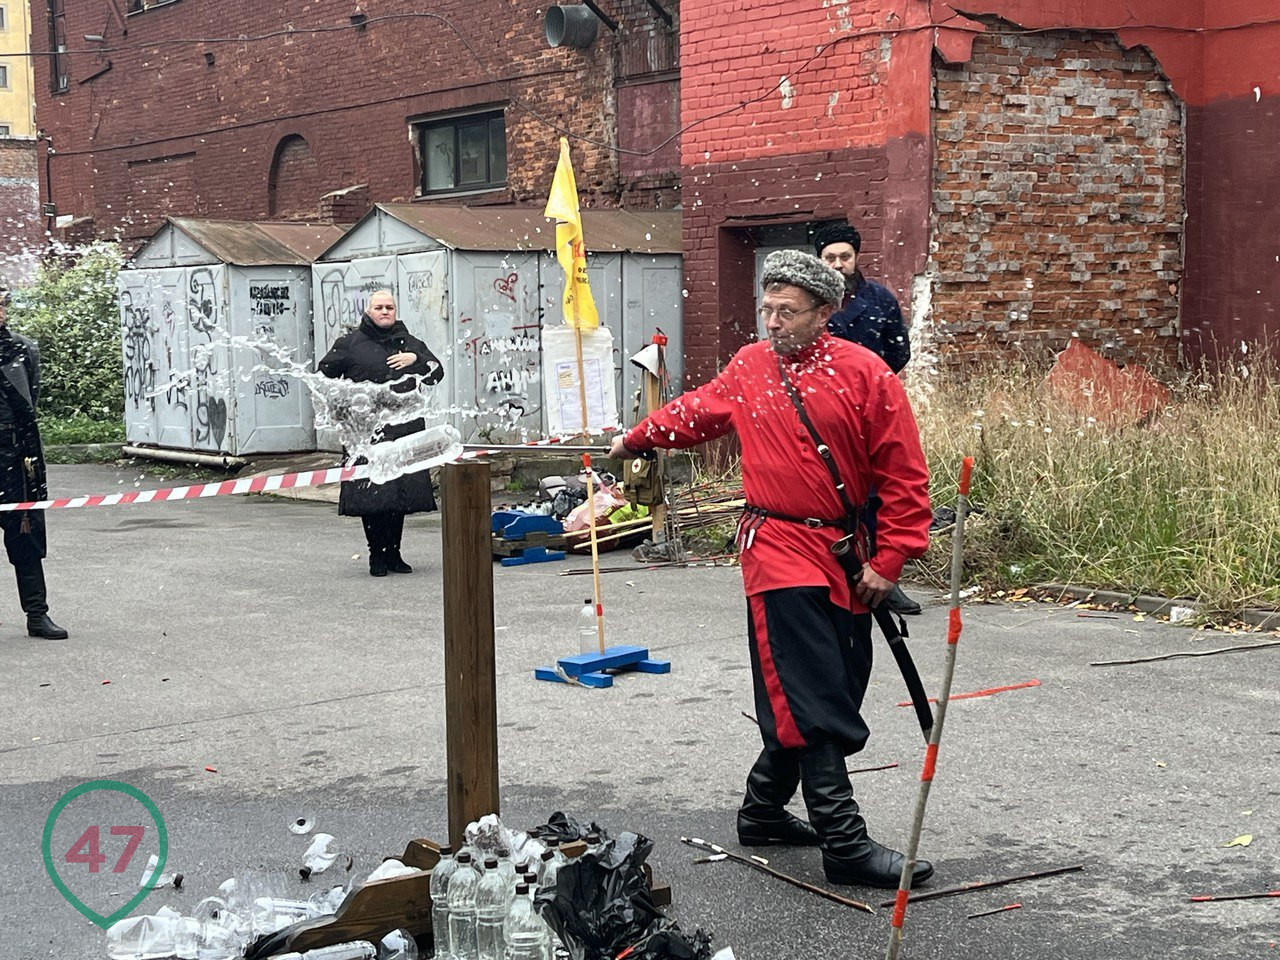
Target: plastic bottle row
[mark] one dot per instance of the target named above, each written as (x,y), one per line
(482,909)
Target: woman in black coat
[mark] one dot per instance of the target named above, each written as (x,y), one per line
(381,350)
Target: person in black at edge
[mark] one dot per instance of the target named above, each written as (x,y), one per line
(869,316)
(381,350)
(22,473)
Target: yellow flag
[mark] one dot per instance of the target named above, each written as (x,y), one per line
(562,206)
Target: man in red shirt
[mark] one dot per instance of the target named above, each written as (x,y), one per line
(808,626)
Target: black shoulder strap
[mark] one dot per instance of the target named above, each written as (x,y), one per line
(851,512)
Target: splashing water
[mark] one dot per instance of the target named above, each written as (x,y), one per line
(359,412)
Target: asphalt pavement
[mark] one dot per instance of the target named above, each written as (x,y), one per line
(232,659)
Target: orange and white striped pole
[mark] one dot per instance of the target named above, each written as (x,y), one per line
(935,736)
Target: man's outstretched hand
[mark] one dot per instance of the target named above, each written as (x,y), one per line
(618,450)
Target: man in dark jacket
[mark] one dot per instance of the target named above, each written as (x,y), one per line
(381,350)
(22,474)
(870,316)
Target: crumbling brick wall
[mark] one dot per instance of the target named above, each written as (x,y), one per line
(1058,201)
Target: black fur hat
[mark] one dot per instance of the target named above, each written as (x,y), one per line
(836,233)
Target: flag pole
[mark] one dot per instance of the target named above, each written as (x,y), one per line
(586,462)
(563,206)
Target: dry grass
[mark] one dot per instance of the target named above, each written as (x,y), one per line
(1185,505)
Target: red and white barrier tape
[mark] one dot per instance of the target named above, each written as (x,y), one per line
(259,484)
(223,488)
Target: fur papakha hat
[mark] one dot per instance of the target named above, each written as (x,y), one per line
(836,233)
(806,271)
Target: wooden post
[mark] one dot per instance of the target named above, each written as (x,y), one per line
(652,401)
(470,694)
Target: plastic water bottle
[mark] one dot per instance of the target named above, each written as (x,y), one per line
(524,932)
(507,867)
(462,909)
(398,945)
(355,950)
(439,887)
(588,639)
(493,901)
(551,867)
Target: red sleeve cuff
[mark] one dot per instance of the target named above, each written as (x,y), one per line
(888,563)
(636,440)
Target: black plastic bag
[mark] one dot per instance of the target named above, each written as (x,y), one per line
(565,828)
(601,906)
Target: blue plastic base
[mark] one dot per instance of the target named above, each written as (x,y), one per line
(533,555)
(589,668)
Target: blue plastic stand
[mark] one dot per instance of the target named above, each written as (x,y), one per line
(589,668)
(521,538)
(516,524)
(532,555)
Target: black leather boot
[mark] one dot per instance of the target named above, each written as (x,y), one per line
(849,855)
(901,604)
(395,562)
(762,819)
(35,602)
(377,563)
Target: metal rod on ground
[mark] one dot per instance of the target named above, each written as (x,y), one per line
(988,884)
(720,851)
(935,735)
(989,913)
(1209,898)
(1187,653)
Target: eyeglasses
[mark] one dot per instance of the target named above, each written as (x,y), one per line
(785,314)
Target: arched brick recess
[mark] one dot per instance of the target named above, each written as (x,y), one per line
(293,187)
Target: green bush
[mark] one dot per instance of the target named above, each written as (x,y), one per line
(55,431)
(72,312)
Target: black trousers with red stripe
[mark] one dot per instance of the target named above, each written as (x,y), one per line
(810,662)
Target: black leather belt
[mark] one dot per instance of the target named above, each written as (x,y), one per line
(813,523)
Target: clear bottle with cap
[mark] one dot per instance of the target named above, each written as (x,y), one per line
(507,866)
(439,886)
(588,638)
(462,909)
(524,932)
(493,901)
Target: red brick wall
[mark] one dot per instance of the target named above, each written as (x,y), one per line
(21,225)
(161,108)
(844,136)
(1059,202)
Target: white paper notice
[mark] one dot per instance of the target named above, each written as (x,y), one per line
(569,397)
(560,382)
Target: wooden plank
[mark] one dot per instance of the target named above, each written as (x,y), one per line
(421,854)
(370,913)
(470,688)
